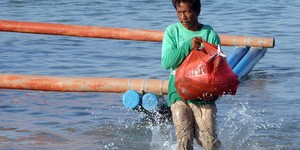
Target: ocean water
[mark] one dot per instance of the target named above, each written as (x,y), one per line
(263,115)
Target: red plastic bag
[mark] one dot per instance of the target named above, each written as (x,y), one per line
(205,71)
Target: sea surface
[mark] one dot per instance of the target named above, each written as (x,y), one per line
(263,115)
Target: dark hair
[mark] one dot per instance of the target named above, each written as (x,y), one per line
(196,4)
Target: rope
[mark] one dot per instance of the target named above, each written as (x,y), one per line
(129,84)
(245,40)
(235,40)
(261,42)
(143,87)
(161,87)
(250,40)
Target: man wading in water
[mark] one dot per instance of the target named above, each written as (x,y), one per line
(192,118)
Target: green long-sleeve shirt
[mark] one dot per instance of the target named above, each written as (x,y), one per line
(176,46)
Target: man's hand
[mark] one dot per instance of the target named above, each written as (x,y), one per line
(210,97)
(196,43)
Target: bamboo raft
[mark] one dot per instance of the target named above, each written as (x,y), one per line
(117,85)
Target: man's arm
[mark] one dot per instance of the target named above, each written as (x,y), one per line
(172,54)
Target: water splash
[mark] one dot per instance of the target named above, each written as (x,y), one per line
(159,123)
(236,127)
(163,137)
(239,125)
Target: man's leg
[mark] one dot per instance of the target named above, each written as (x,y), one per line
(205,116)
(184,122)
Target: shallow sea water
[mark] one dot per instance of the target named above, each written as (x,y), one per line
(264,114)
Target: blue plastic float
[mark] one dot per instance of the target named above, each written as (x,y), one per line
(248,61)
(237,54)
(150,101)
(131,99)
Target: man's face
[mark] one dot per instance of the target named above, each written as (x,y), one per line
(186,15)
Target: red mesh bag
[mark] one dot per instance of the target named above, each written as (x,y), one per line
(205,71)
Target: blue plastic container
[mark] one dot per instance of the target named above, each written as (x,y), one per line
(131,99)
(150,101)
(237,54)
(249,61)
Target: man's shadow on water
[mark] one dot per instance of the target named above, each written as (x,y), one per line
(161,115)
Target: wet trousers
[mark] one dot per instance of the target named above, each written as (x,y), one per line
(195,121)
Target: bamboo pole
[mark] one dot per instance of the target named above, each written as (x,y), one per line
(81,31)
(76,84)
(120,33)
